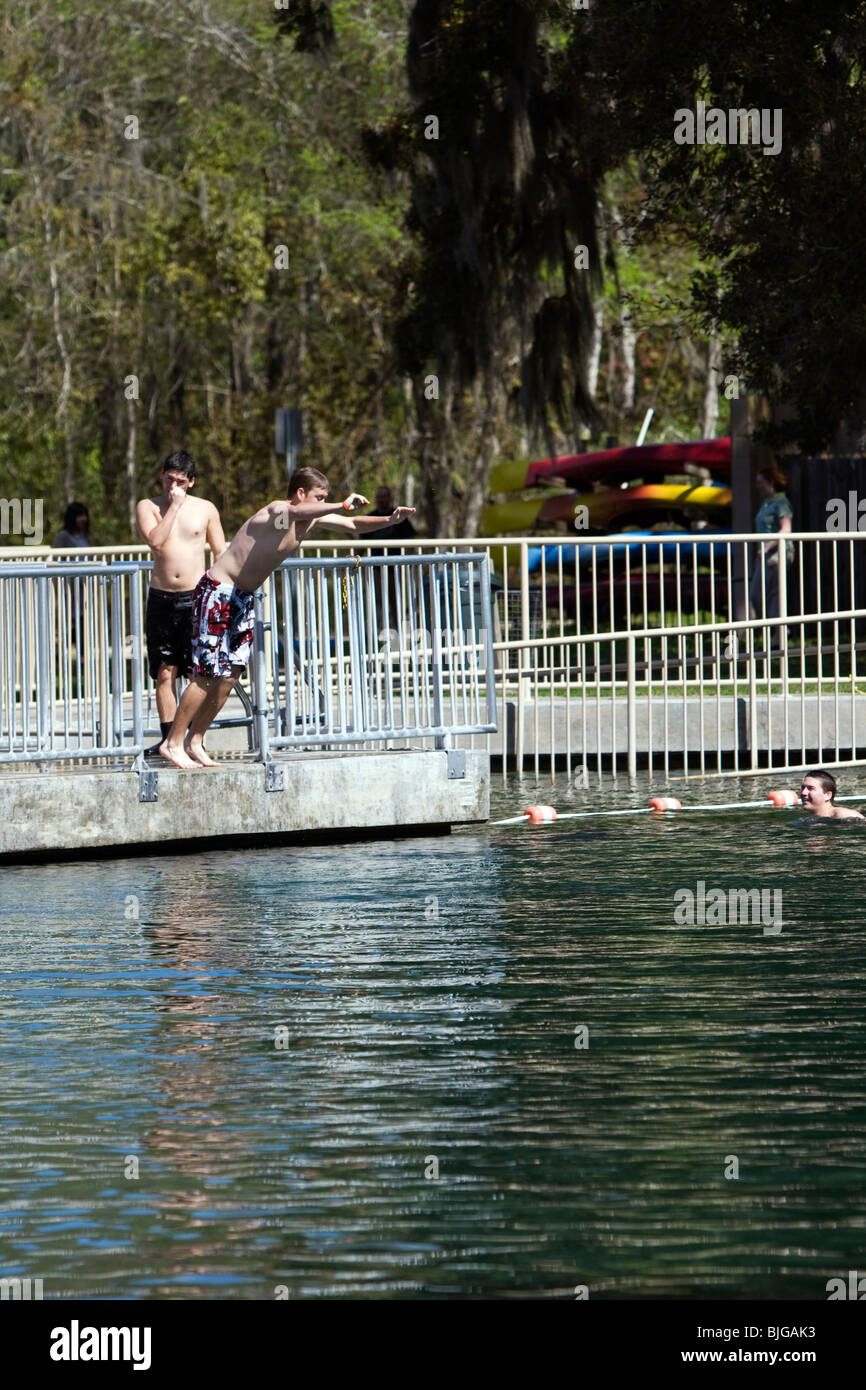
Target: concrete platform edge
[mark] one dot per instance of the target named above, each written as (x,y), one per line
(94,812)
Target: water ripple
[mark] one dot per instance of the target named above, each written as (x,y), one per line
(490,1065)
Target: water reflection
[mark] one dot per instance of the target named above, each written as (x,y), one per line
(360,981)
(430,992)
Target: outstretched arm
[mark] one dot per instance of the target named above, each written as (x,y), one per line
(305,510)
(284,514)
(358,525)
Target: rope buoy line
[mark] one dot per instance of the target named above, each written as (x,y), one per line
(659,805)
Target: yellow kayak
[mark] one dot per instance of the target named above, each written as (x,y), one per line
(605,508)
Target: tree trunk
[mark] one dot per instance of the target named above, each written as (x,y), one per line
(710,407)
(131,482)
(629,340)
(595,342)
(627,335)
(595,348)
(62,411)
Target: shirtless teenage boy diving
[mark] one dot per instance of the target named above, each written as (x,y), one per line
(176,526)
(222,621)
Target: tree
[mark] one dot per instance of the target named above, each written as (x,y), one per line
(503,212)
(190,237)
(783,228)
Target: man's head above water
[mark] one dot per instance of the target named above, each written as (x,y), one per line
(818,794)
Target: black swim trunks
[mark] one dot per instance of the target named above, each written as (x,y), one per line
(168,627)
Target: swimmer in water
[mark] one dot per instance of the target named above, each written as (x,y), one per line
(818,794)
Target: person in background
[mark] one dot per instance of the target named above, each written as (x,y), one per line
(385,504)
(76,528)
(403,531)
(74,534)
(774,517)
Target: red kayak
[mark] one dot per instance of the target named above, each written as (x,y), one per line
(646,460)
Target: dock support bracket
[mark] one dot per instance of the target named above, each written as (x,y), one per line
(456,763)
(148,784)
(274,777)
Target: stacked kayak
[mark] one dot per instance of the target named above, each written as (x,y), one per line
(605,508)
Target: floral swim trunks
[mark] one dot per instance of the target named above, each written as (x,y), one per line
(222,627)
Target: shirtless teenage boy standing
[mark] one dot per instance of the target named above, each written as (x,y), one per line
(176,527)
(222,620)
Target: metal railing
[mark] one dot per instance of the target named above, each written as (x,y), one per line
(633,650)
(66,687)
(347,652)
(396,648)
(713,653)
(568,586)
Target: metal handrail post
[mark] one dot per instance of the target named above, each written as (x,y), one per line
(487,614)
(260,683)
(753,700)
(43,663)
(356,650)
(440,740)
(631,707)
(137,682)
(100,648)
(521,710)
(525,611)
(116,650)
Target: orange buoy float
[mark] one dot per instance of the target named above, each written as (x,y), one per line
(783,798)
(666,803)
(538,815)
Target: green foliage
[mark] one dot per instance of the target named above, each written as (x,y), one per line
(778,234)
(156,257)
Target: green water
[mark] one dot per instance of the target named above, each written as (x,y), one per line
(429,1123)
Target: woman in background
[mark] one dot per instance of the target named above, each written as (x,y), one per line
(75,534)
(774,517)
(76,528)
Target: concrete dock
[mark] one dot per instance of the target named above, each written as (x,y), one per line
(83,812)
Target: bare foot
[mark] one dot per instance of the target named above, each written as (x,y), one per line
(196,750)
(175,756)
